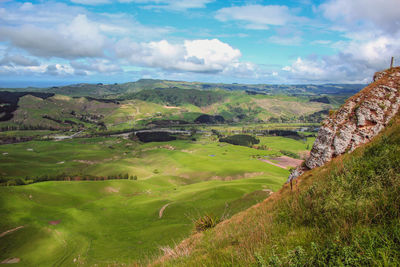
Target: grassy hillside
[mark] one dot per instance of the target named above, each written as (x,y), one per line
(178,97)
(57,112)
(345,213)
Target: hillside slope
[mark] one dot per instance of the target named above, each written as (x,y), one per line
(346,212)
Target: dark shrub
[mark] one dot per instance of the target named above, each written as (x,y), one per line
(240,140)
(155,137)
(209,119)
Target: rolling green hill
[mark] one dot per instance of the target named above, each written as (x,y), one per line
(179,97)
(138,110)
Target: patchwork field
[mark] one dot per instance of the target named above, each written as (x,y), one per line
(104,156)
(126,221)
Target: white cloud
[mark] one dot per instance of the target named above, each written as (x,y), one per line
(382,14)
(312,69)
(93,66)
(35,70)
(80,38)
(192,55)
(375,52)
(58,70)
(372,32)
(57,30)
(257,16)
(356,61)
(18,60)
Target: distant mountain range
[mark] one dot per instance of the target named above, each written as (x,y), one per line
(113,90)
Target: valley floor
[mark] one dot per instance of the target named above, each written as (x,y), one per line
(126,221)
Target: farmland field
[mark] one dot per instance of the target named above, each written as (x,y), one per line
(118,221)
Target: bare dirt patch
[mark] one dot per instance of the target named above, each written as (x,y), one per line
(304,154)
(110,189)
(284,162)
(54,222)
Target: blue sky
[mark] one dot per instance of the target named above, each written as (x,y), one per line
(60,42)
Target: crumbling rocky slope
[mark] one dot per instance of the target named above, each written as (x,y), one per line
(355,123)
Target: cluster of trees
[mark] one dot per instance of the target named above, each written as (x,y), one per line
(166,123)
(24,127)
(155,137)
(323,99)
(62,177)
(240,140)
(209,119)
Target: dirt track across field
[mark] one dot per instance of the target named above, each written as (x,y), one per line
(11,230)
(10,260)
(160,213)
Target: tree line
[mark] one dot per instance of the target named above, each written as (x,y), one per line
(7,181)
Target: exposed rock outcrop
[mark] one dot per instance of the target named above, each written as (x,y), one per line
(361,118)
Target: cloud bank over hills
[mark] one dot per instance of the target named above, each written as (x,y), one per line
(204,40)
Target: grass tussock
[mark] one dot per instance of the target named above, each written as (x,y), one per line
(346,213)
(205,222)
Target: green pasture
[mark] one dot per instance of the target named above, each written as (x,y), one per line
(104,156)
(117,221)
(289,144)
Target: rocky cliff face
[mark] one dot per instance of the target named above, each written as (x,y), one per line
(361,118)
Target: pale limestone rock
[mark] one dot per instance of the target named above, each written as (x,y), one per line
(360,119)
(343,139)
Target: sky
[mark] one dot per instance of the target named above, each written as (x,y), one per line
(44,43)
